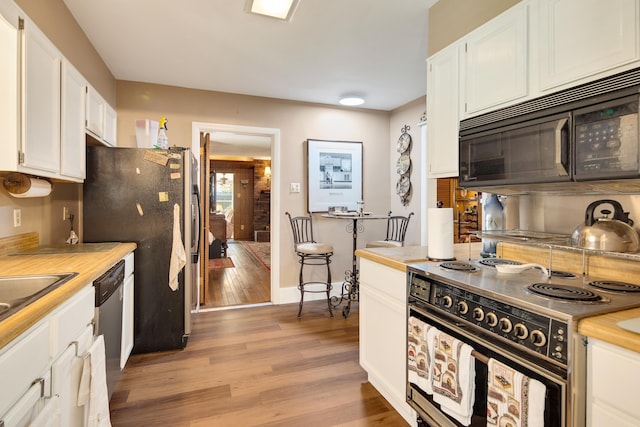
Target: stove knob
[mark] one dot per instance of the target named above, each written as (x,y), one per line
(492,319)
(463,308)
(447,301)
(505,325)
(478,314)
(520,331)
(538,339)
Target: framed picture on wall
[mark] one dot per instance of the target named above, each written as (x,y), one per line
(334,174)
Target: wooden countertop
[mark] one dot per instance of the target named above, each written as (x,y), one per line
(399,258)
(89,267)
(604,328)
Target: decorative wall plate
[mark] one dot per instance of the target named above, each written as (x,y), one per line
(403,164)
(403,186)
(404,142)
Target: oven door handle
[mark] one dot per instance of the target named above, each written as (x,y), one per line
(560,128)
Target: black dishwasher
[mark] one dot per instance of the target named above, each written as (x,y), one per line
(109,293)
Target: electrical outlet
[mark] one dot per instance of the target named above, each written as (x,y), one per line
(17,217)
(294,187)
(65,213)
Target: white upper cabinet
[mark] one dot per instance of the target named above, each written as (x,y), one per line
(41,97)
(72,151)
(443,113)
(495,65)
(582,40)
(101,118)
(9,94)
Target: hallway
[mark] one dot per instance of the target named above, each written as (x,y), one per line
(249,282)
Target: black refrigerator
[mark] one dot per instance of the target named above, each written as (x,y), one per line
(129,196)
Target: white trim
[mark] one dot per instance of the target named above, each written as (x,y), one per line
(274,134)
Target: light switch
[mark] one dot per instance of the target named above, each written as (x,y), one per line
(294,187)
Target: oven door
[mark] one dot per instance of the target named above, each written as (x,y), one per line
(485,347)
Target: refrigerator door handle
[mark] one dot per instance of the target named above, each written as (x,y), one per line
(198,219)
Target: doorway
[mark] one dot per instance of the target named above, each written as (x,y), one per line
(245,133)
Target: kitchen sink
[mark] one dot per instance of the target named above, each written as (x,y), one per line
(16,292)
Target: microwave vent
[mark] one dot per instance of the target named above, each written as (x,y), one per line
(577,97)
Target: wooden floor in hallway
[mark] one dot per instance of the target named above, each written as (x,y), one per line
(249,282)
(259,366)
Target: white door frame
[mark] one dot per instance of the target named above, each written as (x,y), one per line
(274,134)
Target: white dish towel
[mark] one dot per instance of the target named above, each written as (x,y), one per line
(513,398)
(178,255)
(48,414)
(453,377)
(93,385)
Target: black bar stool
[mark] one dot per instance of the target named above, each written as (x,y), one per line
(396,231)
(310,252)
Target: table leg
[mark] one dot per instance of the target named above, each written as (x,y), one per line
(350,291)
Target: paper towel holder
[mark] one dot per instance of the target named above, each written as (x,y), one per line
(20,185)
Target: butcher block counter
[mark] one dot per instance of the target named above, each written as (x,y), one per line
(89,266)
(605,328)
(399,258)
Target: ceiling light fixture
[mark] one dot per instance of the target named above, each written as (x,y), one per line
(279,9)
(351,101)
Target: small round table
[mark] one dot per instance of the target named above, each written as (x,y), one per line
(350,286)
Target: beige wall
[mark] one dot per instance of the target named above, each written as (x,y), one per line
(408,114)
(451,19)
(297,122)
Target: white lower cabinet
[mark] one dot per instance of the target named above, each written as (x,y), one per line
(127,311)
(43,362)
(383,333)
(612,385)
(65,379)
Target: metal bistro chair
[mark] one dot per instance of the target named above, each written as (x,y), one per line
(310,253)
(396,230)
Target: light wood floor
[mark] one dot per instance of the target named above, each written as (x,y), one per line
(249,282)
(257,366)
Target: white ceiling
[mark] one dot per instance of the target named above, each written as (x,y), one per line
(375,48)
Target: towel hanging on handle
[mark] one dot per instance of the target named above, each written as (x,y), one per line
(178,254)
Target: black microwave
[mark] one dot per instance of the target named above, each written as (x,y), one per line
(573,135)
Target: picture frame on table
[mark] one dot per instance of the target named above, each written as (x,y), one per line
(334,174)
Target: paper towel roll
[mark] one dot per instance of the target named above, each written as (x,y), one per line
(20,185)
(440,239)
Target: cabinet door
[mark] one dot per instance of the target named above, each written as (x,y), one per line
(581,39)
(9,98)
(72,150)
(127,321)
(65,379)
(443,113)
(41,96)
(24,361)
(110,125)
(95,112)
(495,62)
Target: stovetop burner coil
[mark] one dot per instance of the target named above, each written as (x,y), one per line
(458,266)
(615,286)
(492,262)
(563,274)
(565,293)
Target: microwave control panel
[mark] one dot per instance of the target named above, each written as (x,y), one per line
(607,139)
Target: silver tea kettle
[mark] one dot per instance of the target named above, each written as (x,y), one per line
(606,234)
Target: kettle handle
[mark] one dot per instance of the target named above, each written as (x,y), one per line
(618,212)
